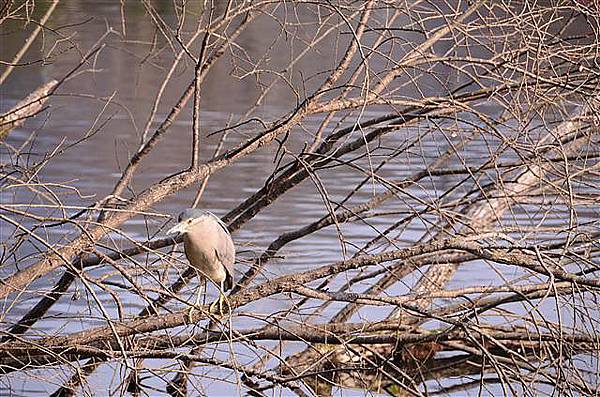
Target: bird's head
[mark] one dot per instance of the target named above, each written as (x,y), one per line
(188,219)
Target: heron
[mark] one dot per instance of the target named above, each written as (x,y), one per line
(209,249)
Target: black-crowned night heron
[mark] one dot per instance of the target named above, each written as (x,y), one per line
(209,249)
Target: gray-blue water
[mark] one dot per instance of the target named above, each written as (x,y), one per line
(110,100)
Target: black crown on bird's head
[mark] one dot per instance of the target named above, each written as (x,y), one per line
(193,213)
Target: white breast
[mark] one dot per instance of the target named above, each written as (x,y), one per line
(201,250)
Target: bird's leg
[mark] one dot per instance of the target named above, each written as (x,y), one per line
(198,294)
(220,300)
(213,306)
(197,302)
(221,296)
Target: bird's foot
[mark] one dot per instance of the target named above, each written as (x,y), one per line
(213,306)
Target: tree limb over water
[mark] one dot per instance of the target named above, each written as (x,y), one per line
(412,188)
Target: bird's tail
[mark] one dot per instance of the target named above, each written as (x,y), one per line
(228,284)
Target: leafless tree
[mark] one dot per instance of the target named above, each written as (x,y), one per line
(460,138)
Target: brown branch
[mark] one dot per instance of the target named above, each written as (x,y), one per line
(28,107)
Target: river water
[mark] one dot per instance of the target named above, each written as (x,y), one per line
(129,73)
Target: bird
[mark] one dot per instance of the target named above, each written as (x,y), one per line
(209,249)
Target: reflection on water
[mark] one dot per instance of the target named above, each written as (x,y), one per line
(124,73)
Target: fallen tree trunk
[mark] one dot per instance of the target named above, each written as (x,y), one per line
(489,210)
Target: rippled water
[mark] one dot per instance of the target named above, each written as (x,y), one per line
(94,166)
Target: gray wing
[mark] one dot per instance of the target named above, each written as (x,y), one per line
(226,249)
(226,252)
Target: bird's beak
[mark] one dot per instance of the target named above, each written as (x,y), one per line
(177,229)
